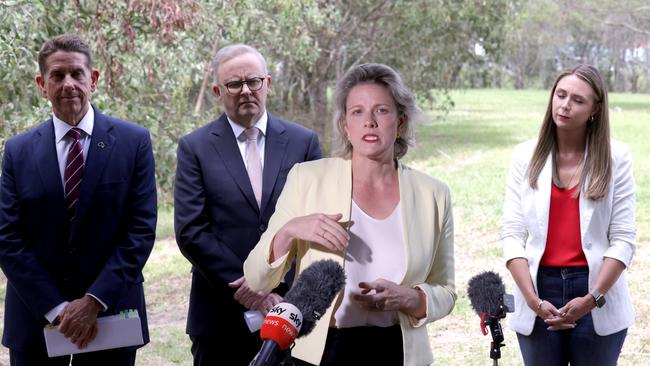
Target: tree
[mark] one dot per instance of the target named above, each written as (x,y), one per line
(154,55)
(549,35)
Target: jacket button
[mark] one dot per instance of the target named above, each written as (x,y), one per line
(262,228)
(72,250)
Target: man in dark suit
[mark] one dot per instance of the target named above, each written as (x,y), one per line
(77,216)
(228,179)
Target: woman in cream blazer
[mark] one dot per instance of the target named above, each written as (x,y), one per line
(312,222)
(590,327)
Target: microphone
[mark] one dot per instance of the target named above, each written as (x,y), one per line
(302,306)
(486,294)
(488,297)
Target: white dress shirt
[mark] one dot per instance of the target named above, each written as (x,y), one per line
(63,143)
(238,130)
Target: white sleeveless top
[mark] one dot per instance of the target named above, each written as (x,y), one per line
(376,250)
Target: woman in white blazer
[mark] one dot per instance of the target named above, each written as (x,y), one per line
(388,225)
(568,230)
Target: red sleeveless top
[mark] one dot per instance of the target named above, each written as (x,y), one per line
(563,242)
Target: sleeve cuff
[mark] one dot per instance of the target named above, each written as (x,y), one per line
(513,248)
(279,261)
(104,307)
(415,322)
(622,254)
(52,314)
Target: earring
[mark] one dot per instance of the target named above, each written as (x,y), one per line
(591,119)
(348,136)
(397,137)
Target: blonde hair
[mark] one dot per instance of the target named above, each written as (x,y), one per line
(404,101)
(597,171)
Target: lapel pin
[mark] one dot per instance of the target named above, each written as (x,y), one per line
(101,144)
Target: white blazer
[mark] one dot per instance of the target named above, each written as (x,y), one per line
(607,229)
(325,186)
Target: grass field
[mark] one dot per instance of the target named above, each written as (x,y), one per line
(470,149)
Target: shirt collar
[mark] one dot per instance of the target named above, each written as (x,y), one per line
(86,124)
(260,124)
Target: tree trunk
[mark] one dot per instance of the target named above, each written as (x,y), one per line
(319,113)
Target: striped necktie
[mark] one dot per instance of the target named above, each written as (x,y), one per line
(74,169)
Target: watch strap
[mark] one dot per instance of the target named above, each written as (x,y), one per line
(598,297)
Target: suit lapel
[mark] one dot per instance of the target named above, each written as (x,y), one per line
(102,142)
(224,142)
(47,162)
(543,196)
(275,148)
(586,212)
(408,209)
(587,206)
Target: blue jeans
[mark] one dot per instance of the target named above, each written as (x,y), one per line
(578,346)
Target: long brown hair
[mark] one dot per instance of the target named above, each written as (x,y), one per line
(597,171)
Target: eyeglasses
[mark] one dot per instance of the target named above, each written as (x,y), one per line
(235,87)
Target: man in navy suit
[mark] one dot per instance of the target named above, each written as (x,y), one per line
(77,216)
(228,179)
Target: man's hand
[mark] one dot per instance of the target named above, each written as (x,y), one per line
(79,320)
(244,295)
(269,302)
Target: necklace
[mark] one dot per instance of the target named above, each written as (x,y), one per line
(556,172)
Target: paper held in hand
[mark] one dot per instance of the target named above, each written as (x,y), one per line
(114,331)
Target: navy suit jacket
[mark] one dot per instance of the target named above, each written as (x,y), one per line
(216,218)
(47,259)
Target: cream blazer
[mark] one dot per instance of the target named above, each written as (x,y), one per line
(607,229)
(325,186)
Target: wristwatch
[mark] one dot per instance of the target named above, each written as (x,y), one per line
(598,297)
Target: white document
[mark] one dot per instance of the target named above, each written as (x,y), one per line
(114,331)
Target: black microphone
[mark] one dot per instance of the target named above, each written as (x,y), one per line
(485,292)
(297,314)
(488,297)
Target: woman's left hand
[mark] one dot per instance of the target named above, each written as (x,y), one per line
(571,312)
(384,295)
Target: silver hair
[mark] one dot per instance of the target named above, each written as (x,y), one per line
(229,52)
(404,101)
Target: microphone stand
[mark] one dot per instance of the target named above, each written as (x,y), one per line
(497,341)
(492,321)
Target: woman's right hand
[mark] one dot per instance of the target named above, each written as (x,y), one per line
(549,313)
(319,228)
(546,310)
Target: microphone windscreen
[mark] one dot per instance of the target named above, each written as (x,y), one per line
(282,324)
(314,291)
(485,292)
